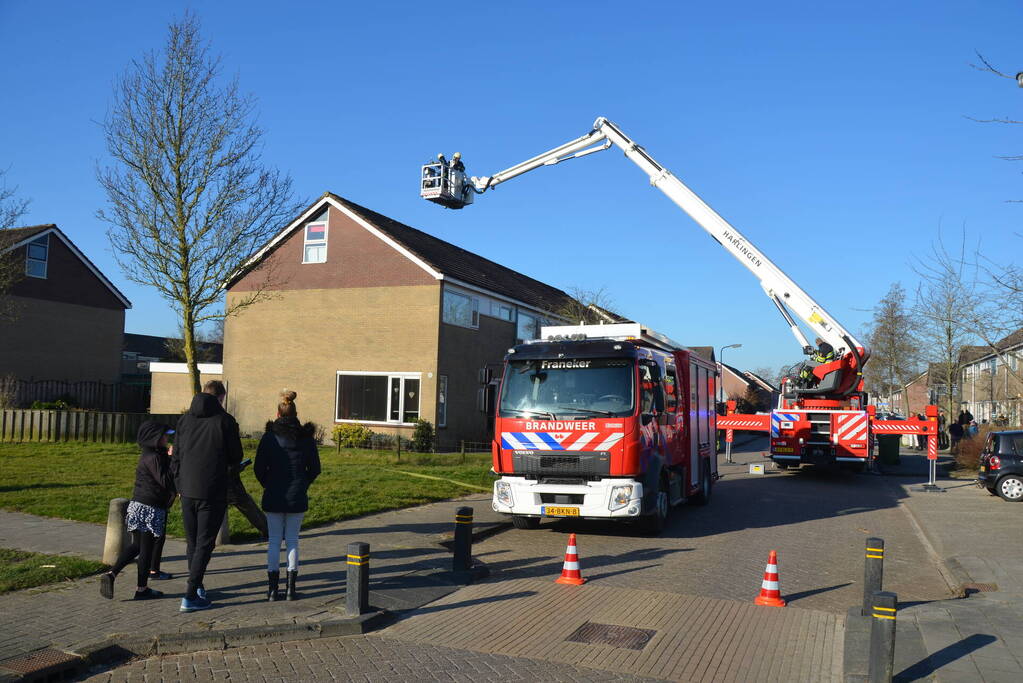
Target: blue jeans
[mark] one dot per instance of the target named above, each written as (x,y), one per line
(286,525)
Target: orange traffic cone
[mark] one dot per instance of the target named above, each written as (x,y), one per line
(570,573)
(770,594)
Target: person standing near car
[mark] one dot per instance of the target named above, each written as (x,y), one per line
(207,446)
(287,462)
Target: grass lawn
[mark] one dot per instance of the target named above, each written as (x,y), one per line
(76,480)
(19,569)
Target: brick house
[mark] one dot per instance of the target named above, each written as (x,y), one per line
(68,318)
(376,323)
(989,387)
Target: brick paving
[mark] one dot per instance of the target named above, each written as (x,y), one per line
(979,638)
(817,522)
(405,553)
(361,658)
(696,638)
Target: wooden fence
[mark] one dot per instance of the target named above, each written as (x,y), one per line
(74,425)
(104,396)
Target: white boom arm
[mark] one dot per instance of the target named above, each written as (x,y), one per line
(785,293)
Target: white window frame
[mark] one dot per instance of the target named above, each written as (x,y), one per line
(474,302)
(45,261)
(389,375)
(315,243)
(442,401)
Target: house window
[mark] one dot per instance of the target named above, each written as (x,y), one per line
(1014,361)
(386,398)
(36,256)
(442,400)
(315,248)
(461,309)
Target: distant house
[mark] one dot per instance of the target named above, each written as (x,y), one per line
(738,384)
(376,323)
(142,349)
(68,318)
(988,381)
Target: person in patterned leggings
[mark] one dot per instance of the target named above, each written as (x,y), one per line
(147,512)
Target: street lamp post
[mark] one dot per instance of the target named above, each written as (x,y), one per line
(721,390)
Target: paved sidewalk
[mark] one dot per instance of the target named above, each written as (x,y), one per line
(406,560)
(690,638)
(978,537)
(358,658)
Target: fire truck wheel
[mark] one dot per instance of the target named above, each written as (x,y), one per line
(655,522)
(706,485)
(520,522)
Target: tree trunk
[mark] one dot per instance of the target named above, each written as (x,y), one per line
(189,343)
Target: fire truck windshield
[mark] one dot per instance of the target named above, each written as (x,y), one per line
(563,388)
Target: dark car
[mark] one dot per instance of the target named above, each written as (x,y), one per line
(1001,465)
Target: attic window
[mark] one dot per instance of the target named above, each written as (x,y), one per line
(315,248)
(36,256)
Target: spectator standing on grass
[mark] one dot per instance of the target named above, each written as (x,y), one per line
(207,447)
(287,462)
(955,434)
(146,519)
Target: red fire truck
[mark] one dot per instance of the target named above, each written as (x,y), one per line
(603,422)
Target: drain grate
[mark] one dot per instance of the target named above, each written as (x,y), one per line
(970,588)
(627,637)
(43,662)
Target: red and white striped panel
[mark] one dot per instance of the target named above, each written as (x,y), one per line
(898,427)
(850,427)
(746,422)
(932,447)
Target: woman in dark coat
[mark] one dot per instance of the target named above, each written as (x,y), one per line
(287,462)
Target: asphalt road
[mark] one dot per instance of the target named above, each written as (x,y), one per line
(818,522)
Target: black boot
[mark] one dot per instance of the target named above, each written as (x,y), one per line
(292,576)
(273,580)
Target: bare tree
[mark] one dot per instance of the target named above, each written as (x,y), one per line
(11,270)
(189,201)
(894,351)
(585,306)
(945,306)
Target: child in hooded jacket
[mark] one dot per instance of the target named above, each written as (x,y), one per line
(147,512)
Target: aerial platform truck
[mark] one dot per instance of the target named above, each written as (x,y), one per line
(824,421)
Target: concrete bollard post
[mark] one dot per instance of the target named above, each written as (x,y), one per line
(882,637)
(873,572)
(224,535)
(117,536)
(357,582)
(463,539)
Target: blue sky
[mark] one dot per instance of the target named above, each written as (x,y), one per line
(835,137)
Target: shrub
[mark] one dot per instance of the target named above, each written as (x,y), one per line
(422,437)
(59,404)
(352,436)
(382,442)
(968,457)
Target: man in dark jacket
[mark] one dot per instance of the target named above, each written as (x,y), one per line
(207,446)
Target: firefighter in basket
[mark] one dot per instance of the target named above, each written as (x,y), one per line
(824,353)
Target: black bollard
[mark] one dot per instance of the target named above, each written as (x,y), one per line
(463,539)
(357,586)
(873,572)
(882,637)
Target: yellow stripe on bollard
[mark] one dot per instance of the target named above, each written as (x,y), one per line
(360,559)
(876,550)
(883,616)
(876,557)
